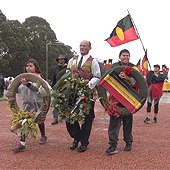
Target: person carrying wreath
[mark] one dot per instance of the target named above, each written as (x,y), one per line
(87,68)
(62,64)
(115,123)
(30,101)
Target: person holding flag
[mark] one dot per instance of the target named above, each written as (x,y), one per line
(155,82)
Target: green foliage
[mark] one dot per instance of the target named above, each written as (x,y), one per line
(3,99)
(66,93)
(41,34)
(2,17)
(14,47)
(20,42)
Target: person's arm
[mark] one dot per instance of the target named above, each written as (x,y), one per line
(95,68)
(30,85)
(160,78)
(149,77)
(70,63)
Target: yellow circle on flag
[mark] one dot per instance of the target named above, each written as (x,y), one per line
(145,64)
(120,33)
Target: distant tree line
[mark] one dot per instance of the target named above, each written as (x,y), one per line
(20,42)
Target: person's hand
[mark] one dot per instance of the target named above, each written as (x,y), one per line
(75,75)
(24,81)
(9,87)
(122,75)
(86,81)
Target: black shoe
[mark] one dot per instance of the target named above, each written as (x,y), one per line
(112,150)
(147,120)
(54,122)
(155,119)
(82,148)
(128,146)
(74,144)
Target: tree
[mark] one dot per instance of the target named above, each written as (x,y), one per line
(41,34)
(20,42)
(2,17)
(14,46)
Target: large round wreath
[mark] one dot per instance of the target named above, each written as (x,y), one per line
(25,121)
(110,103)
(72,98)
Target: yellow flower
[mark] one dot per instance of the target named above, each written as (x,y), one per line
(25,119)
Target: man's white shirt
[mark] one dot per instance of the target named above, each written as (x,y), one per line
(95,69)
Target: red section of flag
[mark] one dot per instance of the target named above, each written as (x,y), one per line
(109,65)
(104,66)
(129,35)
(157,90)
(145,61)
(138,65)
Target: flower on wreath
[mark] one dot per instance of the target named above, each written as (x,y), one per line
(23,122)
(72,98)
(111,107)
(128,70)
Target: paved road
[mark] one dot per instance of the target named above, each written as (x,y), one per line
(165,98)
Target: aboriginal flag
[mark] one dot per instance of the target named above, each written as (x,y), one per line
(104,69)
(110,63)
(123,32)
(138,65)
(157,90)
(165,71)
(145,61)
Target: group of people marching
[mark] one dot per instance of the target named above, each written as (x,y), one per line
(86,67)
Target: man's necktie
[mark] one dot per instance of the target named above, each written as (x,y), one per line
(79,64)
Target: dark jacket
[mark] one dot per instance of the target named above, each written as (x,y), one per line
(2,83)
(119,64)
(152,79)
(56,75)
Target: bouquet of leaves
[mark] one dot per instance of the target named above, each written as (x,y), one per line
(72,98)
(23,122)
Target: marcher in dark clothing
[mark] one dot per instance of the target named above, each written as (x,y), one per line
(62,64)
(115,123)
(155,82)
(2,85)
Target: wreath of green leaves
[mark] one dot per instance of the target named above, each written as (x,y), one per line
(65,94)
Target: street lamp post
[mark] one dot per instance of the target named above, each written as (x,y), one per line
(52,43)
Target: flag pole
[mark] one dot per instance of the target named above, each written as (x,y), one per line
(136,30)
(138,35)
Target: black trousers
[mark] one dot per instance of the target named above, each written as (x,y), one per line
(156,104)
(82,132)
(114,128)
